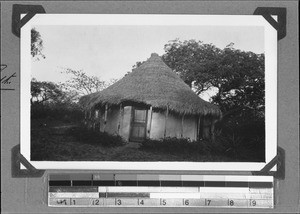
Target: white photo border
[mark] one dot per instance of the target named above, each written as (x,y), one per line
(270,38)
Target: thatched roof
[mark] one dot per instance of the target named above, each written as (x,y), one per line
(155,84)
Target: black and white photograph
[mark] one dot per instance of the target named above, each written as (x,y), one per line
(149,106)
(185,92)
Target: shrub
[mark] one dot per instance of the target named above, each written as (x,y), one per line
(243,139)
(90,136)
(177,146)
(233,147)
(59,111)
(241,147)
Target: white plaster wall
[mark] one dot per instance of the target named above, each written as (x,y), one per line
(113,117)
(190,127)
(149,123)
(125,125)
(157,125)
(173,128)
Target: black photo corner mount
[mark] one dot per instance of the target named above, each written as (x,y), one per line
(16,157)
(18,9)
(279,161)
(16,160)
(280,24)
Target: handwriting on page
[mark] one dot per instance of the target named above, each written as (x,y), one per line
(6,79)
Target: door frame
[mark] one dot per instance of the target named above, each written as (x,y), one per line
(132,123)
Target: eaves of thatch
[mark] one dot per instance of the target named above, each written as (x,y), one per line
(154,84)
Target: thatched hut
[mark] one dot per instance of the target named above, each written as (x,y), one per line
(150,102)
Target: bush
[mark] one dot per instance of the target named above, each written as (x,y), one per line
(178,146)
(233,147)
(242,138)
(242,147)
(60,111)
(90,136)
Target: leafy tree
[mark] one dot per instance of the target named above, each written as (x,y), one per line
(43,92)
(48,92)
(36,45)
(50,100)
(237,76)
(190,60)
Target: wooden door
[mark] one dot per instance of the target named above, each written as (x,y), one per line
(138,124)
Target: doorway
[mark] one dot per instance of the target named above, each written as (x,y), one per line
(138,124)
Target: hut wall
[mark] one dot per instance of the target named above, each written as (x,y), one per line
(101,120)
(157,125)
(190,127)
(113,119)
(149,123)
(125,125)
(206,128)
(112,122)
(173,128)
(89,120)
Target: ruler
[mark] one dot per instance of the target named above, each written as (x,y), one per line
(148,190)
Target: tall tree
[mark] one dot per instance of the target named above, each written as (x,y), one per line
(237,76)
(45,92)
(36,45)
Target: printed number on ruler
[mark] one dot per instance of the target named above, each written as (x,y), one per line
(252,203)
(186,202)
(141,202)
(118,202)
(207,202)
(95,202)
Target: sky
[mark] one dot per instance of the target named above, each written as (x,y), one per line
(109,52)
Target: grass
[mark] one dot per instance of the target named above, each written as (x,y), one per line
(57,141)
(89,136)
(48,146)
(182,148)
